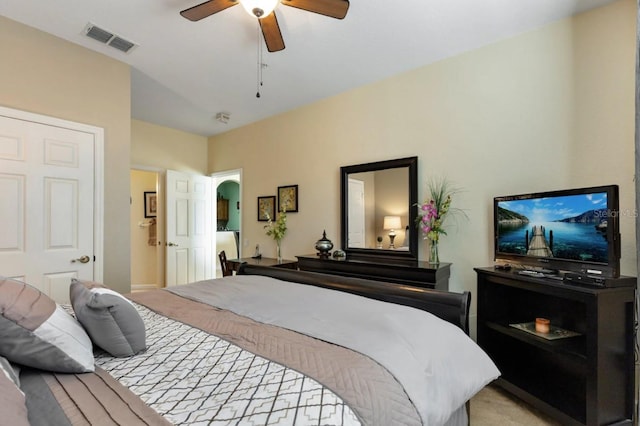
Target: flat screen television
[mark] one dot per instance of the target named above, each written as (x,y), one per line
(573,230)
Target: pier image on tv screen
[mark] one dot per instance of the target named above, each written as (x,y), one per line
(572,227)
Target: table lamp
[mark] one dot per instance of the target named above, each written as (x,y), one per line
(391,223)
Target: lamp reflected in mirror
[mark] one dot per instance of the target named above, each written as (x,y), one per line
(391,223)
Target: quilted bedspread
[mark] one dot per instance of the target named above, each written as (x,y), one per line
(192,377)
(205,365)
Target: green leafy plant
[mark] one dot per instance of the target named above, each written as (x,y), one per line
(277,229)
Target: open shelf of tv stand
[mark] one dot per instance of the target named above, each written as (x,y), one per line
(570,347)
(580,380)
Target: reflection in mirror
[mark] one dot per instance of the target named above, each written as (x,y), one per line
(371,192)
(372,196)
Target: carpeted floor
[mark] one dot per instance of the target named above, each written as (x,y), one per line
(493,406)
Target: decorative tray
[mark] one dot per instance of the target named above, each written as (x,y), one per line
(553,334)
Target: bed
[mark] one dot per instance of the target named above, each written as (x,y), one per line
(266,346)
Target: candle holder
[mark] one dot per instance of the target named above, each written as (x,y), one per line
(542,325)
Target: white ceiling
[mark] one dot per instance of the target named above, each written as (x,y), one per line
(184,72)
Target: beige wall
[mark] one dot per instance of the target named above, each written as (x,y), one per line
(549,109)
(49,76)
(165,148)
(602,147)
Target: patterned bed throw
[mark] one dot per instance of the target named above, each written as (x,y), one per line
(192,377)
(252,373)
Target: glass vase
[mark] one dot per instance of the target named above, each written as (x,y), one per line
(278,251)
(434,258)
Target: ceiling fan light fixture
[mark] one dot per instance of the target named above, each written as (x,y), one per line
(259,8)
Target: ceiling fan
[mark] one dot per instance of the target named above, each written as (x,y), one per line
(264,11)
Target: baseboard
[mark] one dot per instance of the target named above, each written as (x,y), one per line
(143,287)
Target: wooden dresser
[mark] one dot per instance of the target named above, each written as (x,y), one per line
(417,273)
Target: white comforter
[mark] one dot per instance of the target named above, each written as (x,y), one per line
(439,366)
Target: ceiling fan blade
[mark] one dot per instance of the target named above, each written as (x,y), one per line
(332,8)
(207,8)
(271,33)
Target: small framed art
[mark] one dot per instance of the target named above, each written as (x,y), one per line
(288,198)
(150,204)
(266,208)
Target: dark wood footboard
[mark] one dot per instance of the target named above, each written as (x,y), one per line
(451,307)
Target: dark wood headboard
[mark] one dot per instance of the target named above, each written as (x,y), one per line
(451,307)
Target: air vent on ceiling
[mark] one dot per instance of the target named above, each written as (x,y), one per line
(98,33)
(107,37)
(121,44)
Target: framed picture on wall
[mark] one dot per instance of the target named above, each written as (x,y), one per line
(288,198)
(150,204)
(266,208)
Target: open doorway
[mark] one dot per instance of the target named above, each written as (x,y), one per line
(147,230)
(228,190)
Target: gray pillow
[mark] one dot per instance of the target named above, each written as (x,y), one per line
(111,320)
(14,411)
(36,332)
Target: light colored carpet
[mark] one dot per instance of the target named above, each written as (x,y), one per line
(493,406)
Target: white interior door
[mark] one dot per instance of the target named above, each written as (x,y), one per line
(189,228)
(47,204)
(356,237)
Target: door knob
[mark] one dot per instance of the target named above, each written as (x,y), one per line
(83,259)
(172,245)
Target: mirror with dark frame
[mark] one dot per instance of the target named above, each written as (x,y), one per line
(378,209)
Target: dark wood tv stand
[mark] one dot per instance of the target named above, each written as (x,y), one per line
(582,380)
(417,273)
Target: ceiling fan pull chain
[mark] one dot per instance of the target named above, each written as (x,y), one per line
(259,55)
